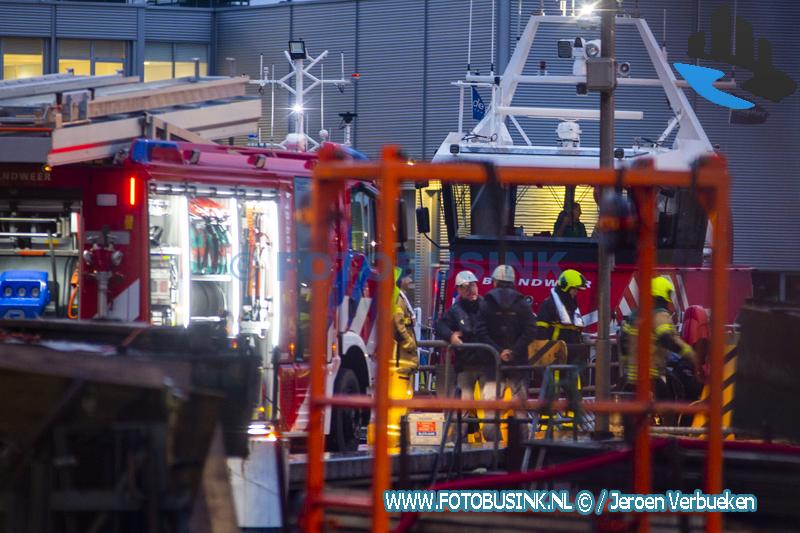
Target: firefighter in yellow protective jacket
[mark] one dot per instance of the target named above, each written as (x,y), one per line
(405,360)
(665,338)
(405,357)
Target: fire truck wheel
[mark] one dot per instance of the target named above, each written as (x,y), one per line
(345,421)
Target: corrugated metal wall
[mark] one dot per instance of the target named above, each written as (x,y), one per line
(178,24)
(448,24)
(111,21)
(331,27)
(764,159)
(120,22)
(391,59)
(243,35)
(25,19)
(409,52)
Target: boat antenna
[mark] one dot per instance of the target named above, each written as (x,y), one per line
(272,108)
(491,59)
(733,38)
(469,39)
(519,17)
(322,99)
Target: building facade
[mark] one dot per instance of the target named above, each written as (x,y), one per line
(407,52)
(103,38)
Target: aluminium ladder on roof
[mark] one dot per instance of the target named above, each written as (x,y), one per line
(61,118)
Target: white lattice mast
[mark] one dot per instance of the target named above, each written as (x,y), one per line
(297,55)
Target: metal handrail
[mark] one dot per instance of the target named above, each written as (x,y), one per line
(497,375)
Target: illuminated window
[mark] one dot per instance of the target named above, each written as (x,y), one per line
(108,57)
(22,58)
(185,54)
(157,61)
(173,60)
(80,67)
(539,209)
(99,58)
(107,68)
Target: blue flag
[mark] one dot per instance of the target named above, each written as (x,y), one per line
(478,107)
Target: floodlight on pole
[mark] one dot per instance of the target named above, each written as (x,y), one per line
(587,10)
(304,83)
(297,49)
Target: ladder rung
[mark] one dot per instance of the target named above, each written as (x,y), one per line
(345,500)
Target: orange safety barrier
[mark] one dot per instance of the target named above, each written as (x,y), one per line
(709,179)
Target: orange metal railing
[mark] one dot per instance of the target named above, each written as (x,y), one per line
(709,180)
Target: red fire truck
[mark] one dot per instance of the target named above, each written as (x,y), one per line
(205,235)
(183,234)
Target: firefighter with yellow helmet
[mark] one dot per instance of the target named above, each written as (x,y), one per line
(665,338)
(559,317)
(558,324)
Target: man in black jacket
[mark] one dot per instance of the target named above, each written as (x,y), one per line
(559,317)
(463,323)
(511,326)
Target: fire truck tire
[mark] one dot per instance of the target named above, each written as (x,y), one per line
(345,421)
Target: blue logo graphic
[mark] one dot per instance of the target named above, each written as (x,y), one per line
(478,107)
(767,81)
(702,80)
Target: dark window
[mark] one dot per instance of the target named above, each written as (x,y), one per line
(302,235)
(363,225)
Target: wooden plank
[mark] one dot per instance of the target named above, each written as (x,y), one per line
(100,140)
(60,83)
(181,94)
(172,130)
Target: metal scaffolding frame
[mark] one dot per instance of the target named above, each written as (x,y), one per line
(708,178)
(60,118)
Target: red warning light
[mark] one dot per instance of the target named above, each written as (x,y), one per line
(132,190)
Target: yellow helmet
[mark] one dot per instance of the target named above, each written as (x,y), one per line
(571,279)
(662,287)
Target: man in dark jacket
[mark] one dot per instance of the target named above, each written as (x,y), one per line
(463,323)
(559,317)
(511,325)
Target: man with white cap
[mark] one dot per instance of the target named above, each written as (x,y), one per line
(511,326)
(463,323)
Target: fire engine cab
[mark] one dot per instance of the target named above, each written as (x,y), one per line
(99,222)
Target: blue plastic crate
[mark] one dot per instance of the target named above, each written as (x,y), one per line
(23,293)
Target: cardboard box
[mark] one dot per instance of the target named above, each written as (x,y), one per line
(425,429)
